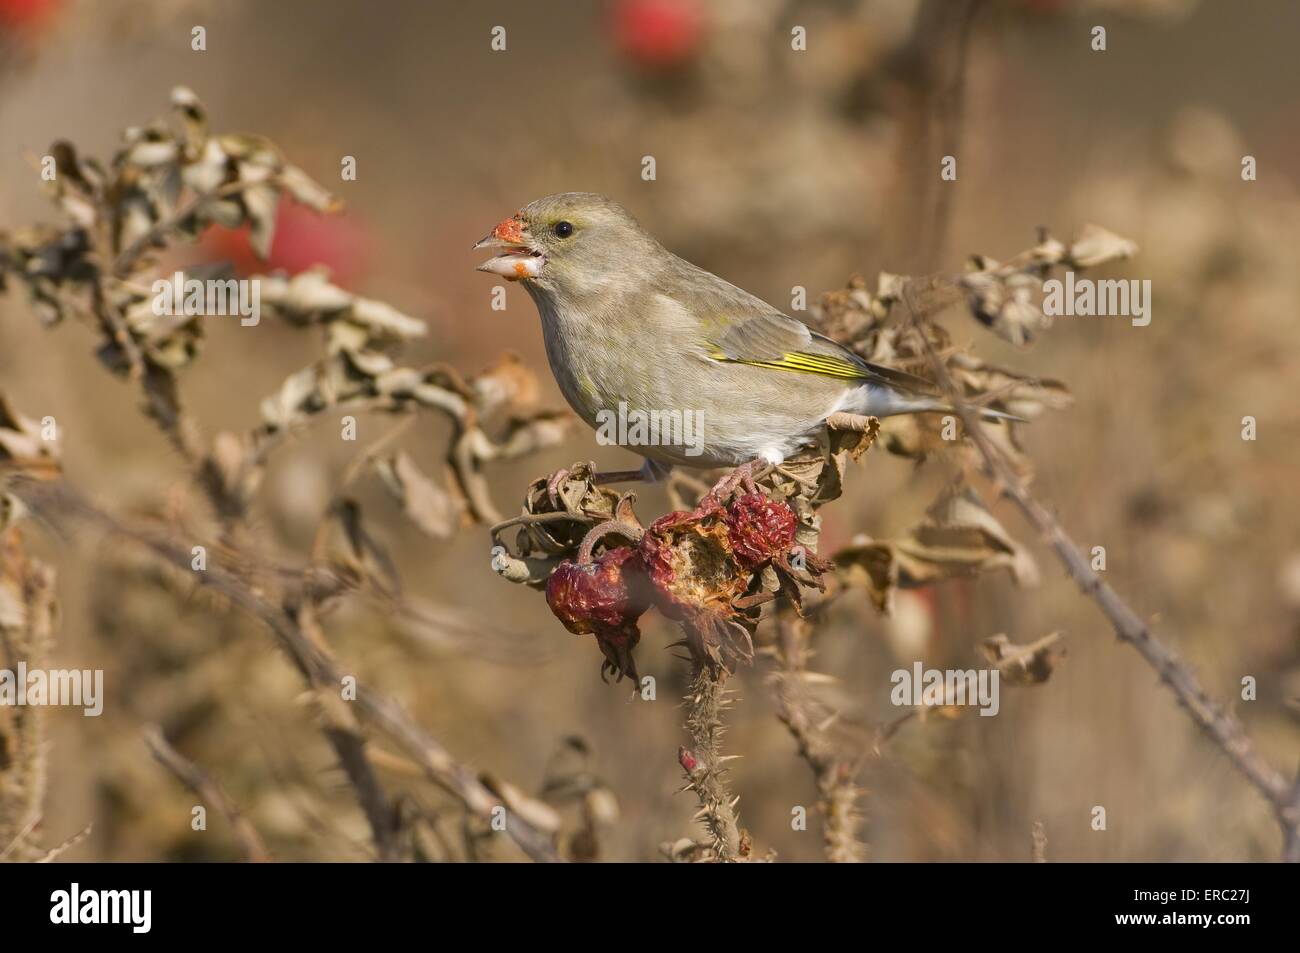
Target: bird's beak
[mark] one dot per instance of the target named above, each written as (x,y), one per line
(518,259)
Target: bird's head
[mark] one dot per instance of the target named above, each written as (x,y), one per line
(573,243)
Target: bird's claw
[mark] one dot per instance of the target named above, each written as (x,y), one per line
(742,476)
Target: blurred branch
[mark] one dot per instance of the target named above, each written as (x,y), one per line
(835,776)
(130,256)
(26,633)
(933,65)
(209,790)
(348,742)
(59,502)
(1222,727)
(1039,843)
(168,182)
(58,850)
(951,108)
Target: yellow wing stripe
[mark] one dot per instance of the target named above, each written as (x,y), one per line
(804,363)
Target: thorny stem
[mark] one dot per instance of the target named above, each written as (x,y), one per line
(1223,727)
(703,764)
(349,744)
(24,775)
(837,789)
(202,784)
(316,665)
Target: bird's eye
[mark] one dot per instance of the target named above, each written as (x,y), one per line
(563,229)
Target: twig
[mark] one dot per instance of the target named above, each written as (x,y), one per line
(837,789)
(952,113)
(345,737)
(1222,727)
(110,315)
(885,733)
(127,258)
(25,775)
(317,667)
(58,850)
(350,474)
(703,764)
(208,789)
(1039,843)
(529,519)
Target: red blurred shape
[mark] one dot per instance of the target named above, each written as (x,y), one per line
(28,13)
(302,238)
(658,34)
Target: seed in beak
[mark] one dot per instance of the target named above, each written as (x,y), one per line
(515,264)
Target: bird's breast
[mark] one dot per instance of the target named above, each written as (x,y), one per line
(580,360)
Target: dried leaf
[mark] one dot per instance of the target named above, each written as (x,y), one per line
(508,383)
(366,556)
(194,117)
(1030,664)
(259,203)
(306,190)
(1006,303)
(1023,396)
(958,537)
(23,446)
(431,508)
(868,565)
(1096,245)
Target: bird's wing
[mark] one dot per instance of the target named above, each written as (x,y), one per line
(772,339)
(742,329)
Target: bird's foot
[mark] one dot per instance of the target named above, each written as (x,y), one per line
(743,476)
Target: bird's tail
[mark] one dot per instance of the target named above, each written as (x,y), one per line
(878,401)
(986,413)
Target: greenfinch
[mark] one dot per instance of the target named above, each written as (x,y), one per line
(633,331)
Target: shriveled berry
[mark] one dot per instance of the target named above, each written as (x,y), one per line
(603,598)
(759,528)
(590,596)
(689,561)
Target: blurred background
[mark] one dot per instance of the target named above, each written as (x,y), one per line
(774,168)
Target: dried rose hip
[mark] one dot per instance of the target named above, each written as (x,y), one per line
(585,596)
(759,528)
(603,598)
(688,559)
